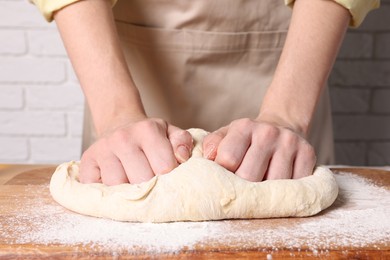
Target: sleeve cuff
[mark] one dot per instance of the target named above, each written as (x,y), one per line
(48,7)
(358,9)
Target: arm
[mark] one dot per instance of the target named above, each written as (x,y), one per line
(357,8)
(315,35)
(89,34)
(273,145)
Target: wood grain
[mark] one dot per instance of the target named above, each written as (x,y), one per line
(15,188)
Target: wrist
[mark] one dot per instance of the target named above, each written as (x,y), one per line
(115,110)
(291,100)
(115,122)
(284,121)
(284,106)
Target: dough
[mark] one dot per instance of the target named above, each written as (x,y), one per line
(197,190)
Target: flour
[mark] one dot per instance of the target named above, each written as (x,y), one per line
(359,218)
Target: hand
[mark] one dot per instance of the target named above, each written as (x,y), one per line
(257,150)
(135,152)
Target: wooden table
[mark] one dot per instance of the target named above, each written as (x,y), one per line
(26,207)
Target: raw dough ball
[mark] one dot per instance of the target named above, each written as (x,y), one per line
(197,190)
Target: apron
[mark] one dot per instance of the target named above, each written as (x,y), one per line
(205,63)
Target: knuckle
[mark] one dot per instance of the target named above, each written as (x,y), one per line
(86,156)
(186,135)
(267,133)
(151,127)
(271,132)
(308,152)
(158,121)
(290,140)
(89,154)
(243,123)
(228,160)
(120,135)
(181,136)
(119,139)
(148,126)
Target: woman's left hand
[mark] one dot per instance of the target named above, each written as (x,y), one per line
(257,150)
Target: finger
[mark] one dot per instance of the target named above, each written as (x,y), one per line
(111,171)
(159,153)
(232,149)
(89,172)
(136,166)
(281,166)
(255,163)
(181,142)
(282,162)
(305,162)
(212,141)
(89,169)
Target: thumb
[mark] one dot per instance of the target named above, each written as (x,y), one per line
(212,141)
(182,143)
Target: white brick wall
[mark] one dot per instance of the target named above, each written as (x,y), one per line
(41,105)
(41,102)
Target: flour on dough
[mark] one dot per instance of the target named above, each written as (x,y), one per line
(197,190)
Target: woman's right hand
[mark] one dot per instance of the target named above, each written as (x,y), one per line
(135,152)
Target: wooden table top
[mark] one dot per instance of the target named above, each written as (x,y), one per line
(32,225)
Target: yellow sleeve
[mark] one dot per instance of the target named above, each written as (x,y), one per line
(358,8)
(48,7)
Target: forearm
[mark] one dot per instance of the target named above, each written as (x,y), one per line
(315,35)
(88,32)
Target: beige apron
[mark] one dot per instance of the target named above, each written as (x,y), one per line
(203,63)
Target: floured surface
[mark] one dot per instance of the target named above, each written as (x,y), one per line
(358,219)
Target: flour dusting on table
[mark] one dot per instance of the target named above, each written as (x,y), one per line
(359,217)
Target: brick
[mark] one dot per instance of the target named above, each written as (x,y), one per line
(75,123)
(357,45)
(32,123)
(349,100)
(67,97)
(361,73)
(11,97)
(45,42)
(32,70)
(55,150)
(13,149)
(21,14)
(382,48)
(12,42)
(350,153)
(379,154)
(380,101)
(361,127)
(377,20)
